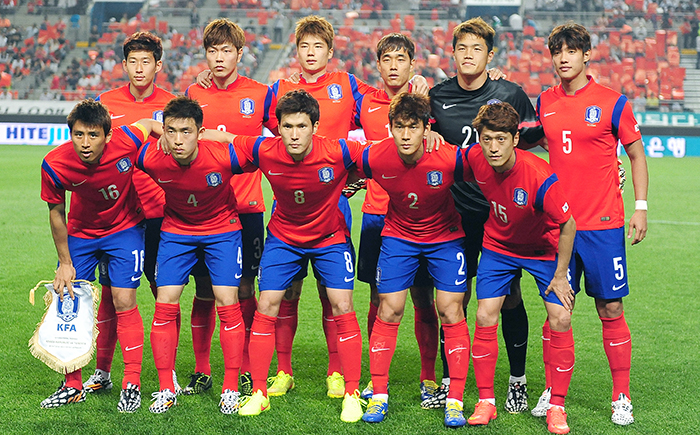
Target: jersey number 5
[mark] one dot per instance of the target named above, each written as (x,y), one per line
(566,140)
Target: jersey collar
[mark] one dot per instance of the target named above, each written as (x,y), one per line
(589,85)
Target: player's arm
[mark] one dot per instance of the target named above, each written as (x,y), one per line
(65,272)
(150,127)
(560,284)
(218,136)
(640,180)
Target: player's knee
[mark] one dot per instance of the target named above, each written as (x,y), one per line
(390,313)
(268,305)
(560,320)
(124,299)
(486,317)
(609,308)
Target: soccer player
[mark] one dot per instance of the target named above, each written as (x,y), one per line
(455,103)
(584,122)
(105,219)
(421,224)
(307,173)
(239,105)
(530,228)
(200,215)
(138,99)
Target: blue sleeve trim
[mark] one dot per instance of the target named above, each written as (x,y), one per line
(54,176)
(276,88)
(267,104)
(141,158)
(542,191)
(256,150)
(347,159)
(138,142)
(617,113)
(356,95)
(365,162)
(459,166)
(358,110)
(537,108)
(235,164)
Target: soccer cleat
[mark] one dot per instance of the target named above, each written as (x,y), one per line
(352,188)
(352,407)
(178,388)
(245,381)
(255,404)
(438,400)
(484,412)
(428,389)
(368,391)
(230,402)
(280,384)
(454,415)
(63,396)
(98,381)
(376,411)
(556,420)
(622,411)
(129,399)
(336,386)
(542,404)
(199,383)
(517,398)
(162,401)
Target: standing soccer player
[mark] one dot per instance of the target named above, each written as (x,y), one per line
(530,228)
(200,215)
(421,224)
(138,99)
(238,105)
(455,103)
(104,219)
(583,122)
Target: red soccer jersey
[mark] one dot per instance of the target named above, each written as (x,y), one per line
(199,199)
(307,192)
(104,200)
(582,133)
(337,93)
(125,110)
(242,108)
(527,205)
(421,208)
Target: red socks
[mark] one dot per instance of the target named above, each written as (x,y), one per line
(426,330)
(457,353)
(562,361)
(484,355)
(330,329)
(75,379)
(617,343)
(382,345)
(371,318)
(286,328)
(350,350)
(546,342)
(248,307)
(262,345)
(107,324)
(164,342)
(232,336)
(203,324)
(130,333)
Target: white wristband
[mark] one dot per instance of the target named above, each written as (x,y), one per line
(640,204)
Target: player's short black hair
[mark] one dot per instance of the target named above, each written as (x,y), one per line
(475,26)
(395,42)
(221,31)
(183,107)
(572,34)
(143,41)
(298,101)
(410,107)
(91,113)
(497,117)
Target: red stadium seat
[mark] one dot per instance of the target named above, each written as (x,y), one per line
(163,27)
(678,94)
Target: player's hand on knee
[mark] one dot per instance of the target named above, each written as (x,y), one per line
(560,286)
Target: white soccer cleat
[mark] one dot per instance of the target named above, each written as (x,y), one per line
(543,404)
(162,401)
(230,402)
(622,411)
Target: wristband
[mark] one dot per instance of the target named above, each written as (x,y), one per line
(640,204)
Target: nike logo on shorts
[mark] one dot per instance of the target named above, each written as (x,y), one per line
(349,279)
(618,287)
(238,275)
(458,282)
(135,278)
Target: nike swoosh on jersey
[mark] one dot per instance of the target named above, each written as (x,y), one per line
(373,109)
(116,116)
(275,173)
(618,287)
(480,182)
(203,105)
(621,343)
(451,351)
(227,328)
(447,106)
(388,178)
(78,184)
(164,181)
(126,349)
(344,339)
(549,113)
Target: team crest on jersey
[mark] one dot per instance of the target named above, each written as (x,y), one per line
(214,179)
(124,164)
(434,178)
(326,175)
(335,92)
(68,309)
(593,114)
(247,106)
(494,101)
(565,207)
(158,115)
(520,197)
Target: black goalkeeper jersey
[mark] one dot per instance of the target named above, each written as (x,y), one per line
(454,109)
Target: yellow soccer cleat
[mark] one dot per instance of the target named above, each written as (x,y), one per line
(336,385)
(255,404)
(280,384)
(352,407)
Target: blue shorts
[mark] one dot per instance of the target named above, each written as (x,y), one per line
(120,256)
(600,256)
(496,272)
(281,263)
(399,261)
(152,239)
(371,245)
(177,255)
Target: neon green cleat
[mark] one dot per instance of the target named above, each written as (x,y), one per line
(280,384)
(255,404)
(336,385)
(352,407)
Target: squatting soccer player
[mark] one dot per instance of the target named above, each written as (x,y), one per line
(583,122)
(530,228)
(421,224)
(455,103)
(105,217)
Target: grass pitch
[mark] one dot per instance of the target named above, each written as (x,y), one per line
(662,310)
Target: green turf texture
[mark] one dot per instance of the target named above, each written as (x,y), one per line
(662,311)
